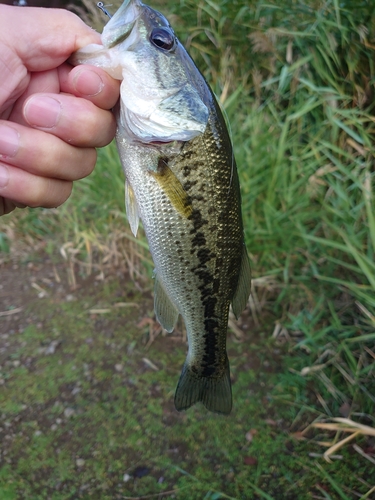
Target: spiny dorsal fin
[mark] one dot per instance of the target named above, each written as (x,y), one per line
(166,312)
(241,295)
(131,208)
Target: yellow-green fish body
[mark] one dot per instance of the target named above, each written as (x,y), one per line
(182,182)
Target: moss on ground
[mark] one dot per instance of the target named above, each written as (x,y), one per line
(87,407)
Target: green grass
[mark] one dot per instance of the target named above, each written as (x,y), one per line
(77,420)
(297,83)
(303,128)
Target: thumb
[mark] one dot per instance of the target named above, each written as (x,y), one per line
(43,38)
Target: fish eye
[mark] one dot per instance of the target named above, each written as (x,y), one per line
(163,38)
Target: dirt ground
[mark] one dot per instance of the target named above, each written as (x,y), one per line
(87,379)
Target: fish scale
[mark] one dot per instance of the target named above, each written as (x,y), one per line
(182,183)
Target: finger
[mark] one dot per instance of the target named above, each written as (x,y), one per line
(43,154)
(48,36)
(42,81)
(73,119)
(32,40)
(31,190)
(6,206)
(91,83)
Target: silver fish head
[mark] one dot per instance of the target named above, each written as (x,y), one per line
(162,93)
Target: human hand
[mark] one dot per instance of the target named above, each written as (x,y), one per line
(52,116)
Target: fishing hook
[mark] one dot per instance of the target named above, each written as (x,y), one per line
(100,6)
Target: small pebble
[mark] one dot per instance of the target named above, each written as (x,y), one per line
(69,412)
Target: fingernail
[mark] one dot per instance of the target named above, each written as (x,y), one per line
(9,141)
(42,111)
(4,176)
(88,83)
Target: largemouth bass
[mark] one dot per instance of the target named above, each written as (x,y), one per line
(182,182)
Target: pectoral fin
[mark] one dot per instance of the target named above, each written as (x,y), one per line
(166,312)
(173,188)
(131,208)
(241,295)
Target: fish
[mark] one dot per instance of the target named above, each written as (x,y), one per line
(182,183)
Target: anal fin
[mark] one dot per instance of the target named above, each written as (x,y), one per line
(166,312)
(242,293)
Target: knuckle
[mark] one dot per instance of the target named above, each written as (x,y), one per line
(95,136)
(108,130)
(36,194)
(87,165)
(59,192)
(62,195)
(49,193)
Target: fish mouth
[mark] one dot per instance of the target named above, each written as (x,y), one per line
(121,24)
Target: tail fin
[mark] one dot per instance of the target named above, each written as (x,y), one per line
(215,393)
